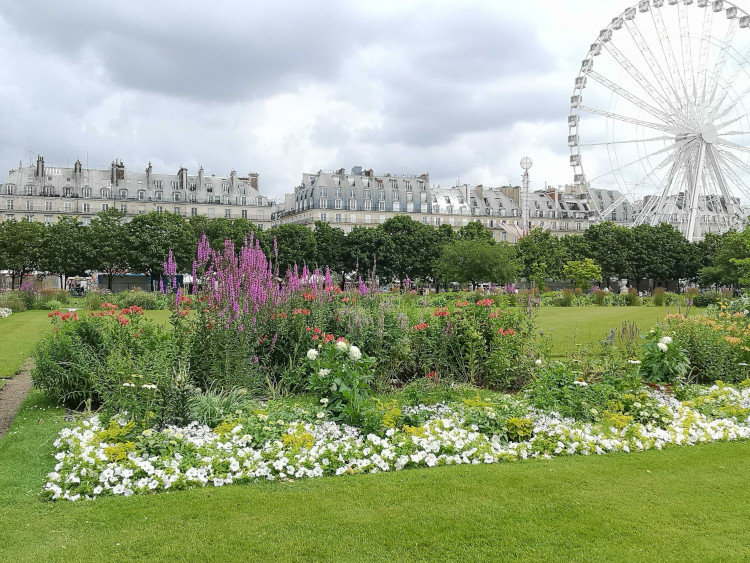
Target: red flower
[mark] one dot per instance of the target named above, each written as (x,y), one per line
(430,375)
(315,337)
(123,320)
(486,302)
(421,326)
(441,312)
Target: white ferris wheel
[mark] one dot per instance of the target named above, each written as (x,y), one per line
(659,115)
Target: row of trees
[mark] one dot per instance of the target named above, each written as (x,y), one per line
(400,249)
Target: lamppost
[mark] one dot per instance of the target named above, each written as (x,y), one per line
(526,163)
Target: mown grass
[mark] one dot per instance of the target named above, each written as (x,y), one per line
(20,332)
(684,503)
(570,326)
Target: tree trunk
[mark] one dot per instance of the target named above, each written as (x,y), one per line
(109,279)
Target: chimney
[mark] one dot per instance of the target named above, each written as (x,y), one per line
(253,180)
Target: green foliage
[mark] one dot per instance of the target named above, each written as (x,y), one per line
(20,247)
(581,272)
(541,256)
(295,245)
(663,359)
(108,234)
(213,407)
(476,260)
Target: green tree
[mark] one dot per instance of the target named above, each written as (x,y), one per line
(20,247)
(330,246)
(475,231)
(581,272)
(719,257)
(66,250)
(368,248)
(475,261)
(541,256)
(658,252)
(444,235)
(575,247)
(109,243)
(295,245)
(151,236)
(414,243)
(609,246)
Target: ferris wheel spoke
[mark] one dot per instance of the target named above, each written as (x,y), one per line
(674,147)
(673,98)
(703,56)
(731,145)
(719,68)
(735,133)
(687,58)
(737,181)
(726,87)
(652,139)
(658,126)
(733,159)
(666,48)
(635,74)
(715,168)
(721,126)
(635,100)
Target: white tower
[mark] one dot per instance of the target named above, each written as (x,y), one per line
(526,163)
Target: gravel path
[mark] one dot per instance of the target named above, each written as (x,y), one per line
(12,394)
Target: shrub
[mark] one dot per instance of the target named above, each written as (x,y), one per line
(142,299)
(599,296)
(707,298)
(52,305)
(12,301)
(658,297)
(93,300)
(631,297)
(566,298)
(663,360)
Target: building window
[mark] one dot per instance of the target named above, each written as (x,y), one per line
(48,206)
(123,194)
(337,204)
(353,204)
(29,205)
(158,184)
(395,195)
(227,213)
(105,193)
(86,192)
(9,189)
(104,206)
(396,206)
(141,195)
(176,196)
(159,209)
(367,194)
(337,218)
(381,195)
(381,206)
(438,220)
(87,208)
(68,191)
(579,227)
(124,208)
(193,211)
(86,221)
(66,207)
(243,214)
(29,190)
(177,209)
(158,196)
(323,217)
(368,205)
(323,202)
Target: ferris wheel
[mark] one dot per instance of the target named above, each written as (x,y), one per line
(659,118)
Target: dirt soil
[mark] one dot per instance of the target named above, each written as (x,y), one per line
(12,394)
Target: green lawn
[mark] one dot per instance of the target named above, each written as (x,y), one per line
(20,333)
(568,326)
(684,503)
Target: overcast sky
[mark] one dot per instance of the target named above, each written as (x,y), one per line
(461,90)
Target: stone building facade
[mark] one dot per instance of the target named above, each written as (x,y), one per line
(41,193)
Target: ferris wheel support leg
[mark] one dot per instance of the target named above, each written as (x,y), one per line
(694,191)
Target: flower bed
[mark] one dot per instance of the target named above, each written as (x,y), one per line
(118,459)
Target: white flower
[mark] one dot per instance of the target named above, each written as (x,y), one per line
(324,401)
(324,372)
(666,340)
(354,353)
(580,383)
(663,347)
(538,362)
(128,384)
(148,386)
(341,346)
(312,354)
(635,362)
(321,414)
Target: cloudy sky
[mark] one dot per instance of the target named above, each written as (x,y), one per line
(460,89)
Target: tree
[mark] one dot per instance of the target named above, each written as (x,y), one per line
(414,243)
(444,235)
(541,256)
(151,237)
(609,244)
(368,248)
(476,261)
(717,257)
(20,246)
(295,245)
(575,247)
(330,245)
(658,252)
(475,231)
(65,250)
(581,272)
(109,243)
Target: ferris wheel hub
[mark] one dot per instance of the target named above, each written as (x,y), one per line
(709,133)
